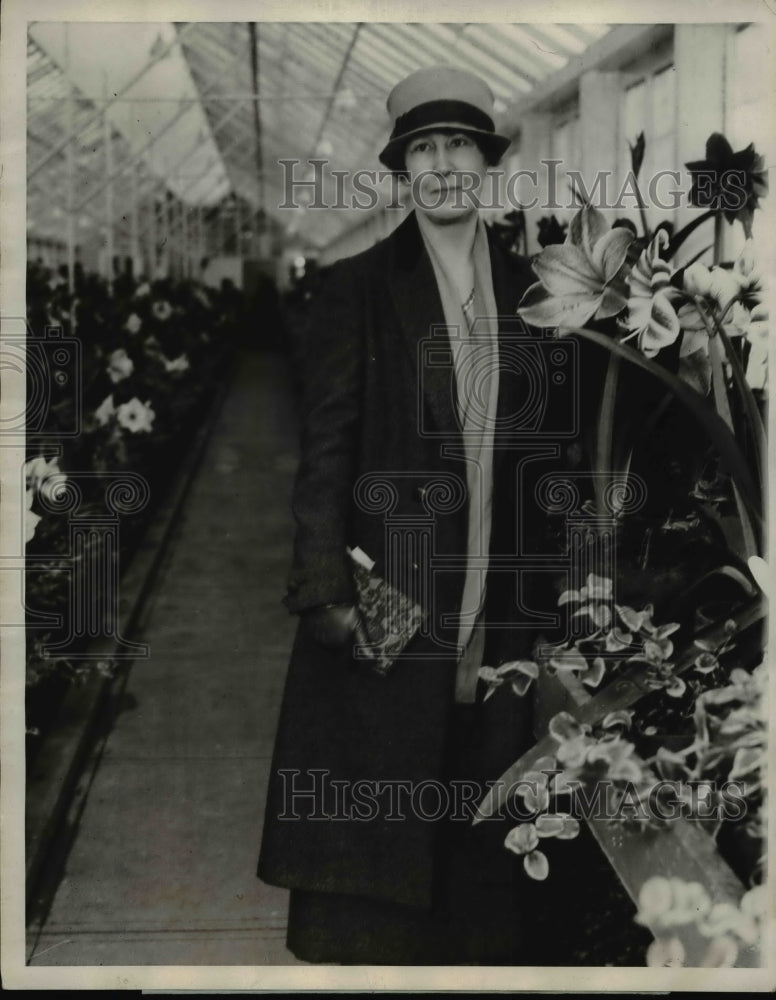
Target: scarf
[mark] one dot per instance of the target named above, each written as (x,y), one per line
(475,359)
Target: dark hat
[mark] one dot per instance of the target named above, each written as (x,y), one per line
(441,97)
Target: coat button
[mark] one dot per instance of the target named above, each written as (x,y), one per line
(420,494)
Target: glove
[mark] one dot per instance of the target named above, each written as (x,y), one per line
(331,625)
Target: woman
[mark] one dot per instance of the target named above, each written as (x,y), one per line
(405,392)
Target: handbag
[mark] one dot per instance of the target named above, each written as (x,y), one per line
(386,618)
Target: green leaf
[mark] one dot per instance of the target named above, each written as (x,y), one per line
(522,839)
(568,659)
(567,596)
(537,865)
(564,726)
(709,420)
(622,717)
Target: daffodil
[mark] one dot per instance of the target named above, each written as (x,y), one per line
(581,279)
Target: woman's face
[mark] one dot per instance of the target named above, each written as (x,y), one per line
(445,169)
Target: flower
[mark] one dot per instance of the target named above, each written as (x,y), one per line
(728,182)
(162,309)
(44,477)
(142,290)
(179,364)
(135,416)
(105,411)
(583,278)
(133,323)
(551,231)
(651,315)
(120,366)
(31,519)
(668,903)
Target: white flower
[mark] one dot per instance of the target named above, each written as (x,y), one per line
(45,477)
(120,366)
(142,290)
(162,310)
(133,324)
(135,416)
(179,364)
(31,519)
(105,411)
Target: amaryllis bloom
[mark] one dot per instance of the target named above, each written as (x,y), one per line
(728,182)
(120,366)
(162,309)
(133,324)
(31,519)
(582,279)
(135,416)
(179,364)
(105,411)
(651,314)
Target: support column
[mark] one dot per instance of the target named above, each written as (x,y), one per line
(534,148)
(107,139)
(599,112)
(699,58)
(70,197)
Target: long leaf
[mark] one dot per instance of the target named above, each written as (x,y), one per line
(718,431)
(605,431)
(686,231)
(723,409)
(754,420)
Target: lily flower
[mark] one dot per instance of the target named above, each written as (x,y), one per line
(651,314)
(582,279)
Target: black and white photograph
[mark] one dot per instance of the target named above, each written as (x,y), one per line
(385,527)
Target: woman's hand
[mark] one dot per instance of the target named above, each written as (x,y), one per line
(331,625)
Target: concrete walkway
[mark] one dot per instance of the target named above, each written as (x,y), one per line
(162,870)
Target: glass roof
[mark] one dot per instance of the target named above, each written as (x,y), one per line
(208,109)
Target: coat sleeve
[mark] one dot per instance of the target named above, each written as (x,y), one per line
(331,402)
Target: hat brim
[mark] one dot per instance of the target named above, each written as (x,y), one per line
(492,144)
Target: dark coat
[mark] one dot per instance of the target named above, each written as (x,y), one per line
(374,408)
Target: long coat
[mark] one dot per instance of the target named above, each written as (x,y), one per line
(379,444)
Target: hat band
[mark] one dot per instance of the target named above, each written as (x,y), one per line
(433,112)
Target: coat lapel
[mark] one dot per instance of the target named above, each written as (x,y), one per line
(419,306)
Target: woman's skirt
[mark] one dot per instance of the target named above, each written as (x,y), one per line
(483,900)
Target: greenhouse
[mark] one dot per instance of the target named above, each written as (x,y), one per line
(392,501)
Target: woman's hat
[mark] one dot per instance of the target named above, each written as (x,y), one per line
(441,97)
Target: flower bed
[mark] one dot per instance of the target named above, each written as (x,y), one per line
(665,761)
(133,373)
